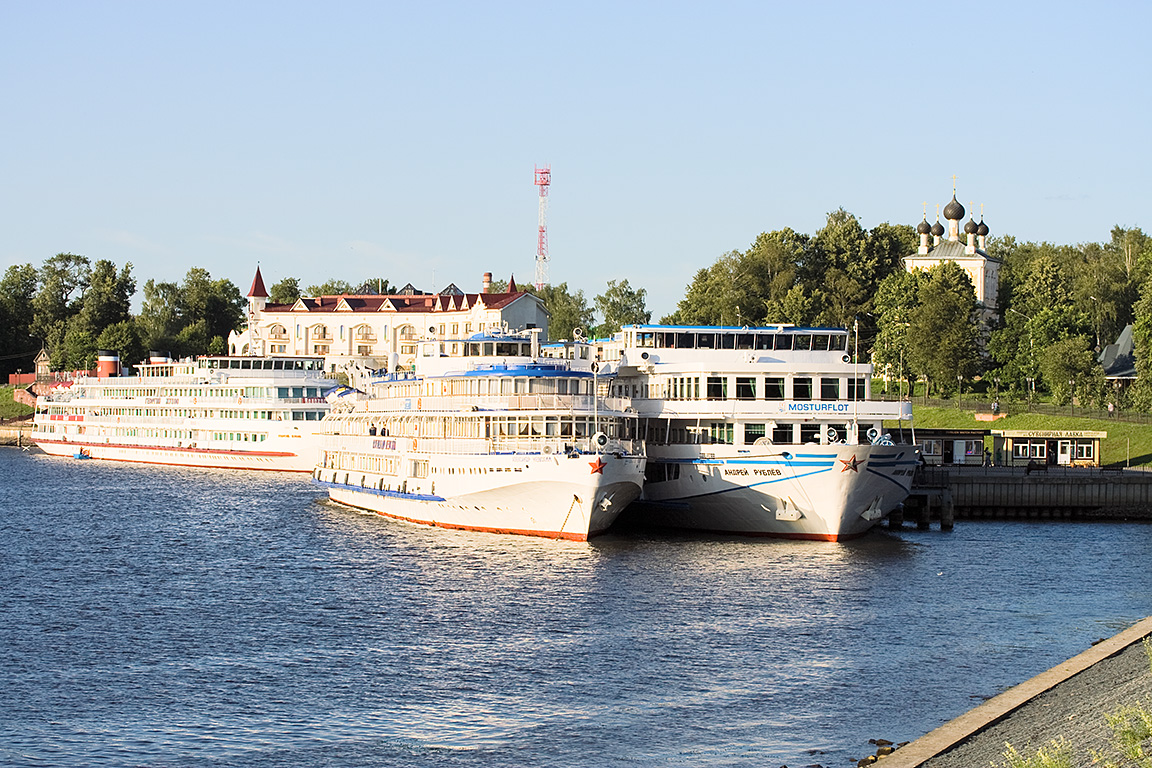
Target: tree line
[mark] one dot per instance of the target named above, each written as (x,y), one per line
(1058,306)
(72,308)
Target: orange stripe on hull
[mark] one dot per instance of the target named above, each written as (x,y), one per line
(182,464)
(205,451)
(478,528)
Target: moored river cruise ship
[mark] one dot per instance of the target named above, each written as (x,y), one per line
(490,433)
(222,412)
(765,431)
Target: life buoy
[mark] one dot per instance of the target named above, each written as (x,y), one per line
(193,401)
(419,404)
(413,443)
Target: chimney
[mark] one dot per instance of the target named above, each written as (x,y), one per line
(486,282)
(107,364)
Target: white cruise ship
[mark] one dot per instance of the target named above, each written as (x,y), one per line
(490,433)
(764,431)
(217,412)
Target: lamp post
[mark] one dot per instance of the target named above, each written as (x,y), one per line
(959,391)
(1031,390)
(1072,397)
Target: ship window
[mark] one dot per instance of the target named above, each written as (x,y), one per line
(774,388)
(717,388)
(802,389)
(727,341)
(646,339)
(752,433)
(802,341)
(685,341)
(720,433)
(810,433)
(706,341)
(820,342)
(829,389)
(743,341)
(764,341)
(856,389)
(783,341)
(838,342)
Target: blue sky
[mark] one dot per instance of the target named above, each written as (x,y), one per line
(399,139)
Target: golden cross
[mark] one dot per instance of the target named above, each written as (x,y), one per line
(953,185)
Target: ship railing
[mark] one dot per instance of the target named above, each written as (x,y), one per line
(546,445)
(521,402)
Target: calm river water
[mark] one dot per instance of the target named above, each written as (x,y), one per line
(168,617)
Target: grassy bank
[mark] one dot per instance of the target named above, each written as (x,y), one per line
(9,408)
(1124,439)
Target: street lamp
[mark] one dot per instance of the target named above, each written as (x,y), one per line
(1031,390)
(1072,397)
(959,391)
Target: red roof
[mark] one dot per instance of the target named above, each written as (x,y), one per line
(401,303)
(257,289)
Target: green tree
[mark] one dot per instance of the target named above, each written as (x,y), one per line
(159,319)
(329,288)
(377,285)
(795,307)
(567,311)
(1069,365)
(17,346)
(77,350)
(744,288)
(107,300)
(215,303)
(620,305)
(942,328)
(63,279)
(123,338)
(1141,392)
(893,306)
(285,292)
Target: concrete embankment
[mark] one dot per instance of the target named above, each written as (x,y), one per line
(1067,702)
(1016,492)
(16,433)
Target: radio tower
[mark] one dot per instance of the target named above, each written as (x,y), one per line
(543,179)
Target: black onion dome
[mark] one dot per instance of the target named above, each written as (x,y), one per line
(954,211)
(982,230)
(970,227)
(924,227)
(938,229)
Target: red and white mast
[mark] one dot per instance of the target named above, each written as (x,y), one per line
(543,180)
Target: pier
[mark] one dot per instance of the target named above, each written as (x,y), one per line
(1044,492)
(17,432)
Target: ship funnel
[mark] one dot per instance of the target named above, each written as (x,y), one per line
(107,364)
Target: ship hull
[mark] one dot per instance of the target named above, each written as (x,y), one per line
(827,493)
(558,497)
(265,459)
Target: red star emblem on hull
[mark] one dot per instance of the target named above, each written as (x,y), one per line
(597,466)
(850,464)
